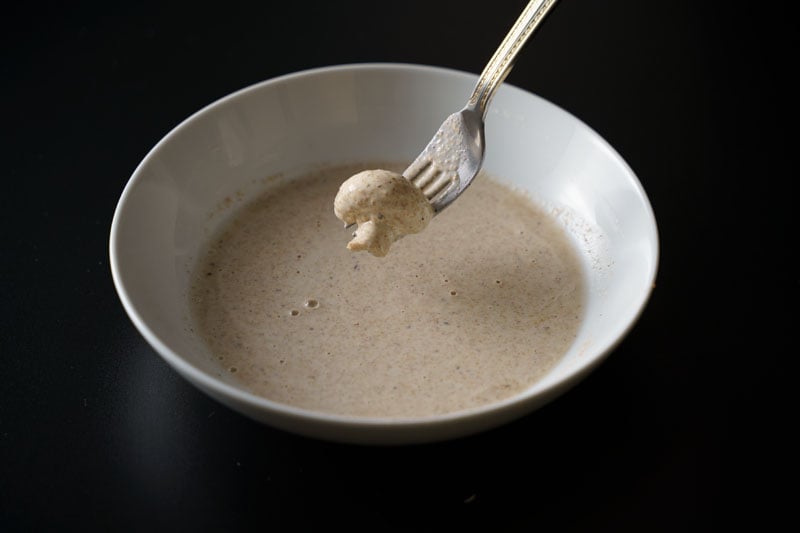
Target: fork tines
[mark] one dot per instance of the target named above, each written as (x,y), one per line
(429,177)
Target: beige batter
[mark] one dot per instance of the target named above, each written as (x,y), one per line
(471,311)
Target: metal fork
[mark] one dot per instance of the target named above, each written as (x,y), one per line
(455,154)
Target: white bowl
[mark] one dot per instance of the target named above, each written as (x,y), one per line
(329,116)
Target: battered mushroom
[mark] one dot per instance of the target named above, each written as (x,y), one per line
(385,205)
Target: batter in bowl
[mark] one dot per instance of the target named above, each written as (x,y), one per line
(471,311)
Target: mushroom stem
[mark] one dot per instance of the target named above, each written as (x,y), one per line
(373,237)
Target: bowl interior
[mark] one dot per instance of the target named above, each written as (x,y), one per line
(222,155)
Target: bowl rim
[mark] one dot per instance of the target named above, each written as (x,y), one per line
(531,397)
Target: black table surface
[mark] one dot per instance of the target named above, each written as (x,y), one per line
(674,432)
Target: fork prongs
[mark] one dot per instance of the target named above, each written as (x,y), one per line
(439,185)
(422,172)
(428,177)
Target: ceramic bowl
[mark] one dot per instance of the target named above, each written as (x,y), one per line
(220,155)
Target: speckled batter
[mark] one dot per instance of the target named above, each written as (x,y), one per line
(471,311)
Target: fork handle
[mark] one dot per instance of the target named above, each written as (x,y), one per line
(503,59)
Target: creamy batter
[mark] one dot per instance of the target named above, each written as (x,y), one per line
(385,205)
(471,311)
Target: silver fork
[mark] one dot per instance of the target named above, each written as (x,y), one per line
(454,155)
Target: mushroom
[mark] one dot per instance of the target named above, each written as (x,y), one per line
(385,205)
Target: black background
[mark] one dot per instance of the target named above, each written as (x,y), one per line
(679,430)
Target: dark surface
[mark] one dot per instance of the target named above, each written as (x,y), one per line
(674,432)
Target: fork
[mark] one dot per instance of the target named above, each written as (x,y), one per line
(453,157)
